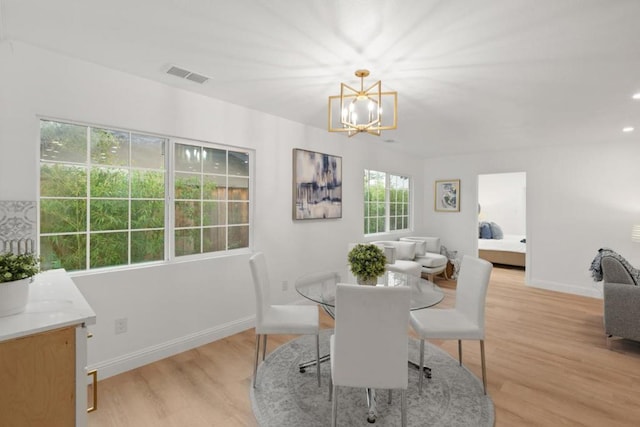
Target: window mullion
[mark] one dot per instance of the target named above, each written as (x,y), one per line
(129,197)
(87,259)
(169,193)
(387,203)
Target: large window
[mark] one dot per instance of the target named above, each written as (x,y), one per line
(387,202)
(104,197)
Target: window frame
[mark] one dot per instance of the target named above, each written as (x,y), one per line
(169,253)
(387,203)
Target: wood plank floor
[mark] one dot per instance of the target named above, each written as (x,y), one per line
(547,365)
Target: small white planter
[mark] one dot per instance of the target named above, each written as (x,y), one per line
(14,296)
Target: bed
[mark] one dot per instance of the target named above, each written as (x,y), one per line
(509,250)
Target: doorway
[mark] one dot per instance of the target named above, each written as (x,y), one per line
(502,222)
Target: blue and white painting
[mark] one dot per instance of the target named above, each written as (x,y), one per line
(317,185)
(447,198)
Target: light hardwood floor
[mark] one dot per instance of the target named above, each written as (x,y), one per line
(547,365)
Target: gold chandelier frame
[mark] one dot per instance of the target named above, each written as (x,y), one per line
(350,122)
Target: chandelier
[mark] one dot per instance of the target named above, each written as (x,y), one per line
(355,111)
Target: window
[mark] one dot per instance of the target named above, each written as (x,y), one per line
(386,202)
(104,193)
(211,199)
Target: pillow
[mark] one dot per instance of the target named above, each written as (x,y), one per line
(496,231)
(485,230)
(390,254)
(421,244)
(432,244)
(421,247)
(424,244)
(405,250)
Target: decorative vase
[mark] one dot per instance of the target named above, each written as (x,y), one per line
(14,296)
(370,281)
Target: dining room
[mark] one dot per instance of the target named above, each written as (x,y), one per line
(153,190)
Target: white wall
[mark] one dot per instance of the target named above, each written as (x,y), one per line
(502,197)
(176,306)
(579,199)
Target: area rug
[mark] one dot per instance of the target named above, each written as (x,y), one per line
(284,397)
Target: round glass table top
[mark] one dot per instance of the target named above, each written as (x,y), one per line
(323,290)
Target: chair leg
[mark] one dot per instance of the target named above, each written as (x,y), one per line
(255,366)
(460,351)
(390,396)
(318,357)
(334,407)
(264,346)
(330,388)
(484,367)
(403,406)
(420,372)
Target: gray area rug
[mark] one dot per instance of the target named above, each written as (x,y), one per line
(284,397)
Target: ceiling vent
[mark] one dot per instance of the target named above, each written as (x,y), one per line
(186,74)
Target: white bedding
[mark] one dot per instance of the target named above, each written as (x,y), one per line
(510,243)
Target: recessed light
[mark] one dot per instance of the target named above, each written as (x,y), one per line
(636,95)
(627,129)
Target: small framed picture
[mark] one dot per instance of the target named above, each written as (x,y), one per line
(447,195)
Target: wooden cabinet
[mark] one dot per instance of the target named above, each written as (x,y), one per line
(43,357)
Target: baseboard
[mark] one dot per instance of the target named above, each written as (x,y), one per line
(593,292)
(118,365)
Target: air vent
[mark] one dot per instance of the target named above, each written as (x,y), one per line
(197,78)
(186,74)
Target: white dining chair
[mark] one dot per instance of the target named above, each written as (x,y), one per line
(463,322)
(279,319)
(369,347)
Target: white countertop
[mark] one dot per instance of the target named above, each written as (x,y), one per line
(54,302)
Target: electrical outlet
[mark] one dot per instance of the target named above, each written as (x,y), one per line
(285,285)
(120,325)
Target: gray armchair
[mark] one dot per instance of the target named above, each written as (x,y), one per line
(621,301)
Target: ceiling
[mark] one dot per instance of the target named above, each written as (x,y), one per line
(471,76)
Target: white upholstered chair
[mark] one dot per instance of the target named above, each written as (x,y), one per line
(400,256)
(463,322)
(279,319)
(369,348)
(428,255)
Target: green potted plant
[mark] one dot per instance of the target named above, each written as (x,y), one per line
(367,262)
(16,272)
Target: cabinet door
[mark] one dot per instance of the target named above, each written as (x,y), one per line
(38,377)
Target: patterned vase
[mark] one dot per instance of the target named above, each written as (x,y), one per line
(370,282)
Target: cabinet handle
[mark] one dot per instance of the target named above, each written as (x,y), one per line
(89,335)
(94,375)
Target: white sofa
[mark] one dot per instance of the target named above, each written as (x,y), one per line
(428,255)
(400,256)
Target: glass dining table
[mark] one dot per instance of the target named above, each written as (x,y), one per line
(424,294)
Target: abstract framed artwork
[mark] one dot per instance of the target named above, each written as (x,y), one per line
(317,185)
(447,195)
